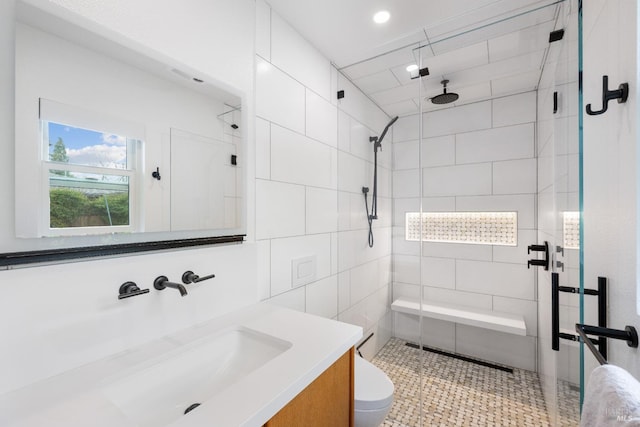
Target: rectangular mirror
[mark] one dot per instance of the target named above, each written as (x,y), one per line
(114,145)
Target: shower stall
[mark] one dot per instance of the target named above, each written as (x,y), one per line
(487,198)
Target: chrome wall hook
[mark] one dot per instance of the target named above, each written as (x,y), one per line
(621,94)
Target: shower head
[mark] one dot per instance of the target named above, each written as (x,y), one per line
(377,140)
(445,98)
(386,128)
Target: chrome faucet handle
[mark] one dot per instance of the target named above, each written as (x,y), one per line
(190,277)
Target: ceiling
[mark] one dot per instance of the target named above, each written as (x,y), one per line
(485,48)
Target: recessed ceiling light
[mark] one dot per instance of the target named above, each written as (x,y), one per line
(381,17)
(412,67)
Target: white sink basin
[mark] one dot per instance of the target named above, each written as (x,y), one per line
(159,391)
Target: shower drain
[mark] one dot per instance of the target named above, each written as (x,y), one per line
(191,408)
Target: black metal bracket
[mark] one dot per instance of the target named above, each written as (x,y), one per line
(556,35)
(421,73)
(539,262)
(156,174)
(555,102)
(130,289)
(621,94)
(601,293)
(629,334)
(340,94)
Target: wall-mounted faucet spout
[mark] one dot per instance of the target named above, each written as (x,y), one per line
(163,282)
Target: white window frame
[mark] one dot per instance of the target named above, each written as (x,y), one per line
(53,112)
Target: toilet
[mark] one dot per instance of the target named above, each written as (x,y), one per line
(373,394)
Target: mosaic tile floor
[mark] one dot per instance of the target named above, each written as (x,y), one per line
(458,393)
(568,404)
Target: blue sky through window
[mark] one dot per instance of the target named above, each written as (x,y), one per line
(88,147)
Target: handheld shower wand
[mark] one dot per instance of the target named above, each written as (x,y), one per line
(377,144)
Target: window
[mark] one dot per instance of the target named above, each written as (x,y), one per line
(90,176)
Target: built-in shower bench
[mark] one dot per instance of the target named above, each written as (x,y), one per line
(494,320)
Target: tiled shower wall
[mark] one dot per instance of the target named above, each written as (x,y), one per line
(478,157)
(313,156)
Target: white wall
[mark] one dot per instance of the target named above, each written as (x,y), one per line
(476,157)
(611,167)
(57,317)
(313,158)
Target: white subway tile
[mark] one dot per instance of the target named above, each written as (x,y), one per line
(401,246)
(378,305)
(404,155)
(353,173)
(344,291)
(464,180)
(263,149)
(515,176)
(355,315)
(438,204)
(401,207)
(271,83)
(344,131)
(505,143)
(263,248)
(457,250)
(507,349)
(516,109)
(385,268)
(458,298)
(322,297)
(439,272)
(384,181)
(406,327)
(465,118)
(360,144)
(406,183)
(298,58)
(364,281)
(438,151)
(523,204)
(344,210)
(321,210)
(301,160)
(284,251)
(407,128)
(516,254)
(334,253)
(263,29)
(438,334)
(294,299)
(321,119)
(359,107)
(501,279)
(280,209)
(406,269)
(405,290)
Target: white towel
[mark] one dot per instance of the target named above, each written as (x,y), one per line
(612,398)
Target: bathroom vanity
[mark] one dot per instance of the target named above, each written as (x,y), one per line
(261,365)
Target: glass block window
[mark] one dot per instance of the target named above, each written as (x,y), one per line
(484,228)
(571,230)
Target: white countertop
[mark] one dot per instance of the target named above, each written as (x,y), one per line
(74,397)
